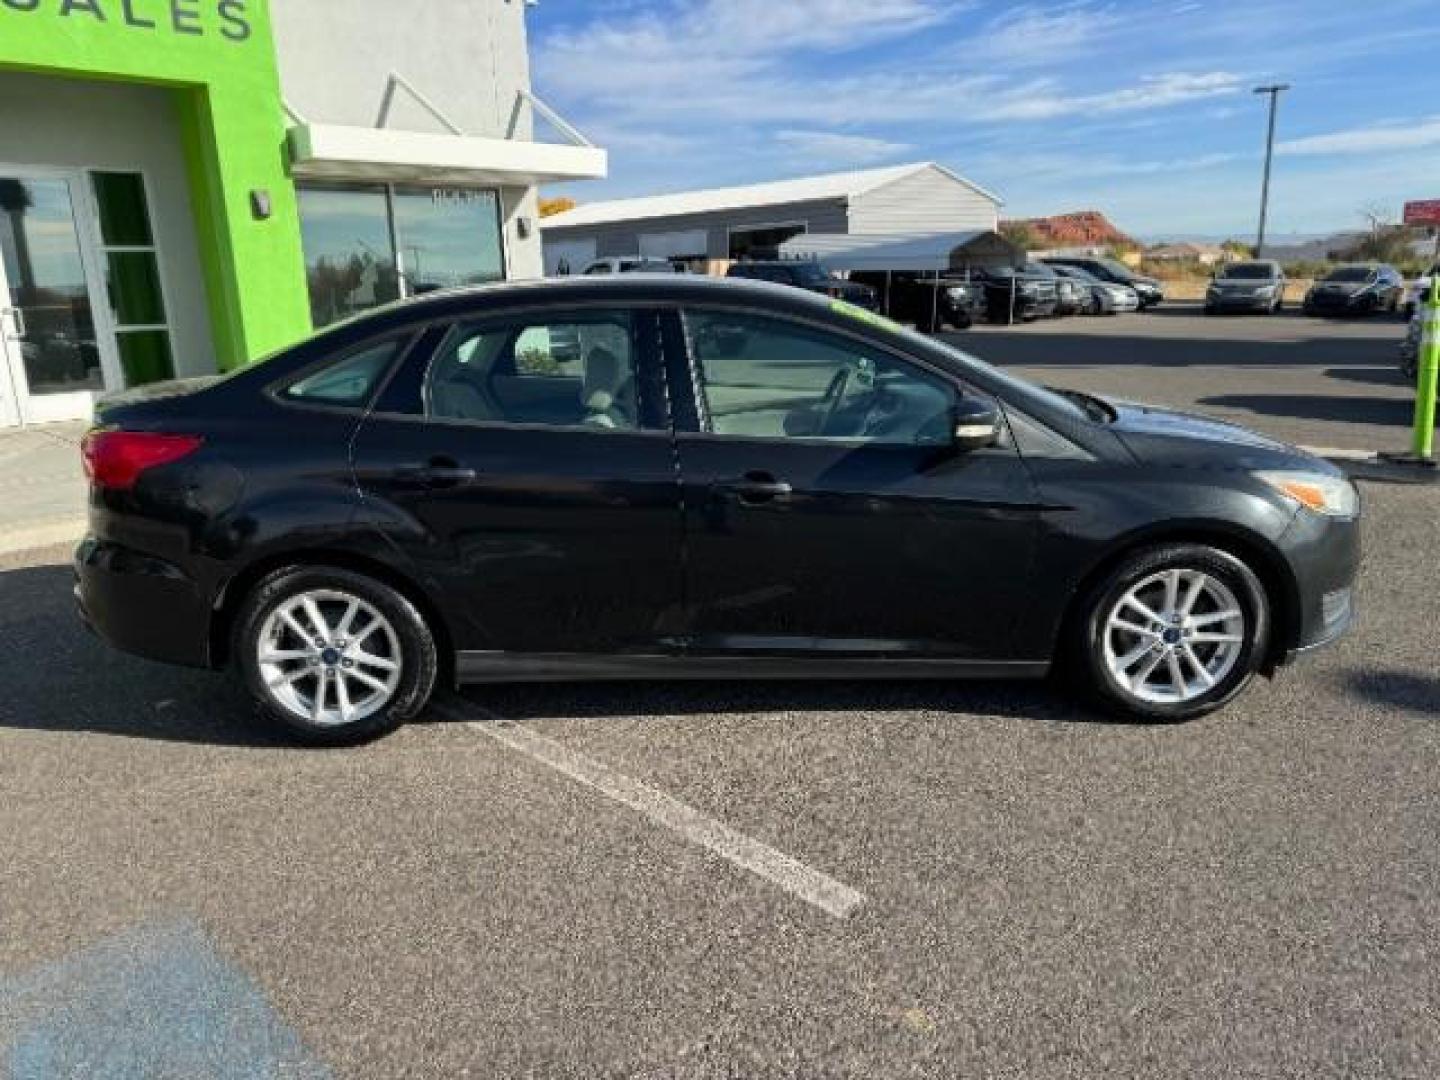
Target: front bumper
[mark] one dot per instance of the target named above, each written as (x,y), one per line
(141,604)
(1324,555)
(1340,304)
(1238,302)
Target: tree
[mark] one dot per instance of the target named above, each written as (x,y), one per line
(1384,240)
(1238,249)
(1020,233)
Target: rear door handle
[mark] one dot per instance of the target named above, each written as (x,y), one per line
(438,473)
(756,487)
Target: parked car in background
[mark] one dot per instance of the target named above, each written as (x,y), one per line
(632,264)
(1257,285)
(1419,289)
(929,302)
(1070,297)
(1356,289)
(1013,293)
(1112,270)
(732,480)
(1106,297)
(808,275)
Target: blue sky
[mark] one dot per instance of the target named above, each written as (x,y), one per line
(1141,109)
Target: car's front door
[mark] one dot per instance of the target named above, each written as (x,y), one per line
(826,511)
(523,467)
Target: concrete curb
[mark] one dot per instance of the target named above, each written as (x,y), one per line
(1368,465)
(42,535)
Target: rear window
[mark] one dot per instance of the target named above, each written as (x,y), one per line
(349,381)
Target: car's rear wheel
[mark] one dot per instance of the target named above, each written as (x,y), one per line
(1172,633)
(334,656)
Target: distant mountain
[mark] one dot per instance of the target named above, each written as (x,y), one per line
(1083,228)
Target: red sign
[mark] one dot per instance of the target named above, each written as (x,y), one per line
(1424,212)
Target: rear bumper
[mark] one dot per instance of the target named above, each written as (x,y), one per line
(141,604)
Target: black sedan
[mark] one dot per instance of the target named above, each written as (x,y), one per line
(1357,289)
(724,480)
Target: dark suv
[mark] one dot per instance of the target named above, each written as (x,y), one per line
(810,276)
(1146,288)
(932,303)
(1014,294)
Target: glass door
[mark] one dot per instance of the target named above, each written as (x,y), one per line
(51,362)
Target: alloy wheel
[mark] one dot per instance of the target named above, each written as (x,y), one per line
(329,658)
(1174,636)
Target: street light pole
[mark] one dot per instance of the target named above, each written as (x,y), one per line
(1274,91)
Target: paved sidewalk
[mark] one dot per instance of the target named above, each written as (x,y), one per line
(42,486)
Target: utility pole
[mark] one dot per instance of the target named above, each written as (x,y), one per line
(1274,91)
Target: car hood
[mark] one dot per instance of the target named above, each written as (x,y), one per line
(1169,437)
(1349,288)
(1147,282)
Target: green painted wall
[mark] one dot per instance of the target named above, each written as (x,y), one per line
(219,58)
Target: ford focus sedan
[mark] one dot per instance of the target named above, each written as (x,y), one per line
(652,477)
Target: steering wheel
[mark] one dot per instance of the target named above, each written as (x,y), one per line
(834,395)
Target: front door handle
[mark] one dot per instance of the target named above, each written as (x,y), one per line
(436,473)
(756,486)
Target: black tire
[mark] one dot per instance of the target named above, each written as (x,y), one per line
(1084,655)
(417,656)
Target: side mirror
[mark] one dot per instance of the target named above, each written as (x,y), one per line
(976,424)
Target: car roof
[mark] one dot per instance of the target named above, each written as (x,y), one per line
(581,290)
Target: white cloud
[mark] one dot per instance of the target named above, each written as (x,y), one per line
(1378,138)
(1035,33)
(835,148)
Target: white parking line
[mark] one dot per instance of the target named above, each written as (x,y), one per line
(793,876)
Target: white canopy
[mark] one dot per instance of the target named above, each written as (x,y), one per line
(915,252)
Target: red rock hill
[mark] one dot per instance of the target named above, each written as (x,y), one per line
(1084,228)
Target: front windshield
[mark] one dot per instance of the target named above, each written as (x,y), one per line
(1119,269)
(1249,271)
(1040,270)
(1349,274)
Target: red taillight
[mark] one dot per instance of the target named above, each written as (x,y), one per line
(115,459)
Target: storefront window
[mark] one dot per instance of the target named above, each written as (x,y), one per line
(132,274)
(448,237)
(349,262)
(444,236)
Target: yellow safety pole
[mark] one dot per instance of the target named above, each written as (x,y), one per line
(1429,365)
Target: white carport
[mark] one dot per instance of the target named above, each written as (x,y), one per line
(904,252)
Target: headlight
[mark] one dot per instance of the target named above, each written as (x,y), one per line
(1265,290)
(1333,496)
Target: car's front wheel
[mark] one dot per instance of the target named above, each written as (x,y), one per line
(334,656)
(1172,633)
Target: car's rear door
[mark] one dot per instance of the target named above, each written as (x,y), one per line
(824,522)
(523,467)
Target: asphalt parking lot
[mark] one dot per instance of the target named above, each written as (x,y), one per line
(1316,382)
(765,880)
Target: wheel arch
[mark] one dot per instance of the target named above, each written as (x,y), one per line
(239,586)
(1262,557)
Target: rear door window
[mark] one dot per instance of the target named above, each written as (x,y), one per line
(576,371)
